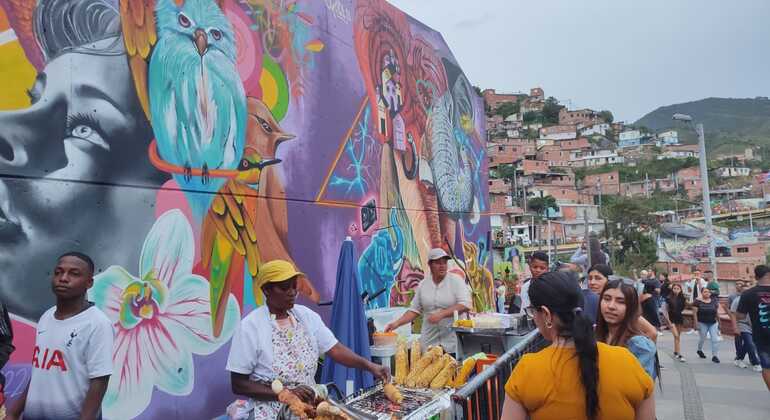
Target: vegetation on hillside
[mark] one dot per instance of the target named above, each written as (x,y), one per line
(653,169)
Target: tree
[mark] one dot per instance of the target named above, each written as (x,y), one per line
(540,205)
(506,109)
(551,111)
(607,116)
(530,117)
(477,90)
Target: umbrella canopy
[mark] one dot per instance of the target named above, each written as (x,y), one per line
(348,323)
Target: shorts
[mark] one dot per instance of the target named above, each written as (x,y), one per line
(764,357)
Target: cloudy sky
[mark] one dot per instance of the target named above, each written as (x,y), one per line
(628,56)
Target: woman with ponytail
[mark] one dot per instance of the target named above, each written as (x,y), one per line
(575,376)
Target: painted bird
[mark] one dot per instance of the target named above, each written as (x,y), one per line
(191,88)
(241,228)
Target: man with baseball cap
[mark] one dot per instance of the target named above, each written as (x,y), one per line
(282,340)
(437,298)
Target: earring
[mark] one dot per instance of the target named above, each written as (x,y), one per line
(548,324)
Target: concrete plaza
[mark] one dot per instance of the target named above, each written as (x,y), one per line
(700,389)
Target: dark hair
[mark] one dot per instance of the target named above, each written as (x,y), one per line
(539,255)
(628,325)
(604,269)
(558,292)
(761,271)
(595,249)
(77,25)
(81,256)
(708,271)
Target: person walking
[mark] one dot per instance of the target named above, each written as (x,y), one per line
(72,359)
(743,334)
(737,339)
(755,303)
(574,375)
(675,304)
(705,310)
(618,324)
(538,265)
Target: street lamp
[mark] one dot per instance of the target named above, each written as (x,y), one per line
(704,175)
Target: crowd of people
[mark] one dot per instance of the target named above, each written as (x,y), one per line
(603,359)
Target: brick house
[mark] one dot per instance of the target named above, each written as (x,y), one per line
(609,183)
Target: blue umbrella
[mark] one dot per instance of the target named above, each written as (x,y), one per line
(348,323)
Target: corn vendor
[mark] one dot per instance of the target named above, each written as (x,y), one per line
(437,298)
(281,340)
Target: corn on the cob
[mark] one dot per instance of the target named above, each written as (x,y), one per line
(392,393)
(445,374)
(416,353)
(465,372)
(426,377)
(402,364)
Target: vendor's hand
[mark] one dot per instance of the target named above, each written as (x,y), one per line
(380,372)
(305,393)
(390,327)
(435,317)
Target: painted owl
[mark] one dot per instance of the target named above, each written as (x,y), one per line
(191,89)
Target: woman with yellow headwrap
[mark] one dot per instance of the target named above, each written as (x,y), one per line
(283,341)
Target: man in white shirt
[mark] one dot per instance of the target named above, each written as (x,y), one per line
(693,287)
(439,295)
(72,359)
(538,265)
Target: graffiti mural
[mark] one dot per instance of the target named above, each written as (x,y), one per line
(183,143)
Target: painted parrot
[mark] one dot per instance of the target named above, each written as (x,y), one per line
(191,90)
(237,229)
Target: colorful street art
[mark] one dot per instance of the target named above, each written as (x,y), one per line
(182,143)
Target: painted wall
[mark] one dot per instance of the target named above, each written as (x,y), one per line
(181,143)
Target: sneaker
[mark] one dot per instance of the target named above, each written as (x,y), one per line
(660,334)
(681,358)
(757,368)
(691,332)
(740,364)
(701,354)
(715,359)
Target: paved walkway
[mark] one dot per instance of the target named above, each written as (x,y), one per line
(700,389)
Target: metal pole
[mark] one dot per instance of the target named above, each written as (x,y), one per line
(549,238)
(587,234)
(704,176)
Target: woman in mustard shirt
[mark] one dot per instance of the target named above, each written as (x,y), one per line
(575,377)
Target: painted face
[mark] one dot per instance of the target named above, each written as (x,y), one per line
(438,268)
(596,281)
(613,306)
(84,123)
(71,278)
(537,268)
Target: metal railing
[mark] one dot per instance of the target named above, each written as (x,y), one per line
(482,397)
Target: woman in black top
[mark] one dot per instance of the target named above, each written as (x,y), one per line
(649,307)
(675,303)
(706,317)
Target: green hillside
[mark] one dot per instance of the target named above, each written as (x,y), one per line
(730,124)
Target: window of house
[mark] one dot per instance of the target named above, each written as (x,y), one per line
(500,148)
(743,249)
(674,269)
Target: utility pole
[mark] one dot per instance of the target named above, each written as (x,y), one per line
(704,175)
(586,236)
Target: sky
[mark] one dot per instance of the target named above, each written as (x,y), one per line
(627,56)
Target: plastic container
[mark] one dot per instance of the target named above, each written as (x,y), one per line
(385,339)
(383,316)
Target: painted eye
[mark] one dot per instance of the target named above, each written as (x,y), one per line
(89,134)
(216,34)
(244,164)
(265,125)
(184,21)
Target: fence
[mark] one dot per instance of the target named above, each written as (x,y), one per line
(482,397)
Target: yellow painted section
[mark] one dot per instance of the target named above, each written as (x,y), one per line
(17,75)
(269,89)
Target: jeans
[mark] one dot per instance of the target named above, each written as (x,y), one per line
(711,330)
(746,341)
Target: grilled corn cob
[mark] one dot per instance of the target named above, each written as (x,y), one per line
(393,394)
(402,364)
(465,372)
(425,378)
(425,361)
(415,354)
(446,373)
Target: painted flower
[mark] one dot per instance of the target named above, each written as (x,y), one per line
(161,318)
